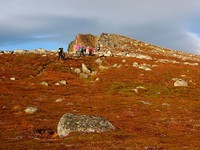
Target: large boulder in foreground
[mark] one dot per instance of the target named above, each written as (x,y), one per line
(82,123)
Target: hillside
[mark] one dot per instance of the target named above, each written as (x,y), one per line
(150,94)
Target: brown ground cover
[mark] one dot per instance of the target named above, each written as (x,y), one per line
(158,117)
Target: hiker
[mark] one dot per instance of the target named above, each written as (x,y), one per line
(91,50)
(78,50)
(61,54)
(84,50)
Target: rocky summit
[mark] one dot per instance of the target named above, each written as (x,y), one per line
(127,95)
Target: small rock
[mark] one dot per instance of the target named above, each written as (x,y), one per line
(103,67)
(85,69)
(57,84)
(108,54)
(135,90)
(77,70)
(94,73)
(145,102)
(165,104)
(180,82)
(13,79)
(44,84)
(98,61)
(135,64)
(140,87)
(84,75)
(119,66)
(123,60)
(183,76)
(62,82)
(115,65)
(59,100)
(174,79)
(30,110)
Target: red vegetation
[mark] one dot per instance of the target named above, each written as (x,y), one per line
(158,117)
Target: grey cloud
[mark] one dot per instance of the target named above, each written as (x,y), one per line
(164,23)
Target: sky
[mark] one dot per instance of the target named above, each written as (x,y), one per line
(50,24)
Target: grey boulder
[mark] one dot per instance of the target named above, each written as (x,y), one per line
(82,123)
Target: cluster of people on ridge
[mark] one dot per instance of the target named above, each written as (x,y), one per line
(81,51)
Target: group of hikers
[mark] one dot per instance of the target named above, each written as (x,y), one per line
(79,50)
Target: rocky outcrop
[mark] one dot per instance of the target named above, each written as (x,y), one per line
(126,46)
(86,40)
(82,123)
(104,42)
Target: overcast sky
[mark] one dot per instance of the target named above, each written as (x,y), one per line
(49,24)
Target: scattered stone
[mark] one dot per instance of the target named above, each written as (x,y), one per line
(119,66)
(175,79)
(94,73)
(57,84)
(136,90)
(44,55)
(82,123)
(165,104)
(140,87)
(103,67)
(31,110)
(145,103)
(44,84)
(40,51)
(154,66)
(191,64)
(122,54)
(77,70)
(62,82)
(142,66)
(20,51)
(108,54)
(70,104)
(140,56)
(85,69)
(145,68)
(59,100)
(180,82)
(183,76)
(84,75)
(100,54)
(13,78)
(98,61)
(115,65)
(123,60)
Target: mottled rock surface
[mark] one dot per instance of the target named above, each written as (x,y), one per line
(82,123)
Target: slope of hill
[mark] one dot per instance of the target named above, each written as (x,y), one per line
(150,94)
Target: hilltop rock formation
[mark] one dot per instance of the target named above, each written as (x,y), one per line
(84,40)
(104,42)
(125,46)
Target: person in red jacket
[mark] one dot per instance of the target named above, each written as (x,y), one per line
(91,50)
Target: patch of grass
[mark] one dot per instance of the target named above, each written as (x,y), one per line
(120,88)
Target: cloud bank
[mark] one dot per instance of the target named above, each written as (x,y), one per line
(28,24)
